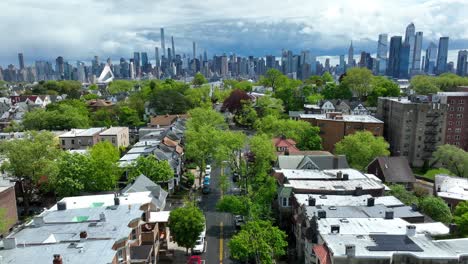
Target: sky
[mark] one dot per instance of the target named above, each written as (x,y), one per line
(80,29)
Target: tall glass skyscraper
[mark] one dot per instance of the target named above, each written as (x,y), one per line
(163,43)
(409,40)
(431,58)
(351,55)
(404,63)
(461,62)
(417,51)
(442,55)
(394,57)
(382,49)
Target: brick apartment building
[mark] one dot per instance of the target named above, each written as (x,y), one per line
(456,132)
(335,126)
(414,126)
(8,203)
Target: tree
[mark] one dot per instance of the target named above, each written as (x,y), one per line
(430,174)
(199,97)
(229,148)
(128,116)
(327,77)
(332,91)
(460,217)
(423,85)
(453,158)
(235,101)
(61,116)
(201,116)
(436,208)
(306,136)
(361,148)
(382,87)
(400,192)
(90,96)
(106,172)
(258,240)
(263,153)
(274,79)
(120,86)
(237,205)
(186,224)
(314,98)
(157,171)
(267,105)
(31,161)
(169,100)
(246,116)
(74,170)
(199,79)
(359,81)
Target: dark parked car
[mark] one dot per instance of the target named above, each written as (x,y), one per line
(206,189)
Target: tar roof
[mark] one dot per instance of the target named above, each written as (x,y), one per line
(347,200)
(350,185)
(322,160)
(376,211)
(322,174)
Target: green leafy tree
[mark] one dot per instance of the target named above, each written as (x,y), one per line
(4,221)
(430,174)
(327,77)
(234,204)
(263,152)
(267,105)
(157,171)
(186,224)
(202,116)
(291,95)
(120,86)
(31,161)
(230,147)
(382,87)
(258,240)
(453,158)
(274,79)
(106,172)
(333,91)
(460,217)
(246,116)
(90,96)
(128,117)
(199,79)
(104,118)
(62,118)
(359,80)
(361,148)
(199,97)
(400,192)
(436,208)
(314,98)
(169,98)
(423,85)
(74,170)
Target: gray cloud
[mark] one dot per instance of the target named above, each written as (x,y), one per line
(80,29)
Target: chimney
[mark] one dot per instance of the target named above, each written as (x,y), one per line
(322,214)
(358,191)
(83,235)
(61,206)
(9,243)
(57,259)
(389,214)
(350,250)
(311,201)
(335,229)
(371,201)
(411,230)
(345,177)
(102,216)
(116,201)
(453,229)
(38,221)
(339,175)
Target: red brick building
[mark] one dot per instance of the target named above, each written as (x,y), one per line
(8,203)
(456,130)
(335,126)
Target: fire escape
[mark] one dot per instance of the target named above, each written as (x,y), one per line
(430,134)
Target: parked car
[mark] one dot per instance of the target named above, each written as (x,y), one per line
(208,169)
(235,177)
(206,189)
(239,221)
(207,176)
(199,247)
(194,260)
(206,181)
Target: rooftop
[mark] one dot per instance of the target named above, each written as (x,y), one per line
(451,187)
(452,93)
(113,131)
(334,185)
(347,200)
(363,211)
(90,132)
(346,118)
(322,174)
(318,160)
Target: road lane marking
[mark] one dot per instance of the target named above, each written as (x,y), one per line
(221,255)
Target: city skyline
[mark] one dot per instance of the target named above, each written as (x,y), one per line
(121,29)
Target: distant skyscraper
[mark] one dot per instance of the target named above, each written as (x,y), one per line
(270,61)
(409,40)
(431,58)
(136,63)
(144,62)
(163,44)
(21,61)
(404,61)
(351,55)
(156,54)
(461,62)
(442,55)
(417,51)
(205,57)
(194,50)
(382,50)
(60,67)
(173,49)
(393,68)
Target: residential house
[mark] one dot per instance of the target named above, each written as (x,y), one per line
(395,170)
(335,126)
(165,120)
(89,229)
(97,104)
(8,203)
(346,107)
(452,189)
(80,138)
(285,145)
(317,160)
(118,136)
(143,184)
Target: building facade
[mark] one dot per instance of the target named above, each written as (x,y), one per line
(456,131)
(118,136)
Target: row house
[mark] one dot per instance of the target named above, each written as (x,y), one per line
(85,138)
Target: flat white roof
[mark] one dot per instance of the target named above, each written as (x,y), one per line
(452,93)
(130,157)
(347,118)
(347,200)
(72,133)
(291,174)
(338,185)
(90,131)
(452,187)
(159,217)
(91,201)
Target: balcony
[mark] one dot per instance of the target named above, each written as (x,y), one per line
(432,114)
(430,140)
(430,132)
(432,123)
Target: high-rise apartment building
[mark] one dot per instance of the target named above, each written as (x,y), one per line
(194,50)
(409,40)
(462,62)
(136,63)
(270,62)
(60,68)
(414,126)
(404,63)
(442,55)
(417,51)
(393,68)
(173,47)
(456,131)
(431,58)
(156,54)
(382,50)
(163,43)
(21,61)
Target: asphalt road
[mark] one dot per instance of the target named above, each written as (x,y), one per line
(219,226)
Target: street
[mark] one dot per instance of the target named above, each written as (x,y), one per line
(219,226)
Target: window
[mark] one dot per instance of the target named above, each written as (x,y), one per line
(458,123)
(63,141)
(113,140)
(459,115)
(449,137)
(449,129)
(450,123)
(120,255)
(452,108)
(451,116)
(134,234)
(73,142)
(457,143)
(461,101)
(285,202)
(457,130)
(452,101)
(460,108)
(457,137)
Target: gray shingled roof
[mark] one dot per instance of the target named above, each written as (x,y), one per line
(320,162)
(144,184)
(396,169)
